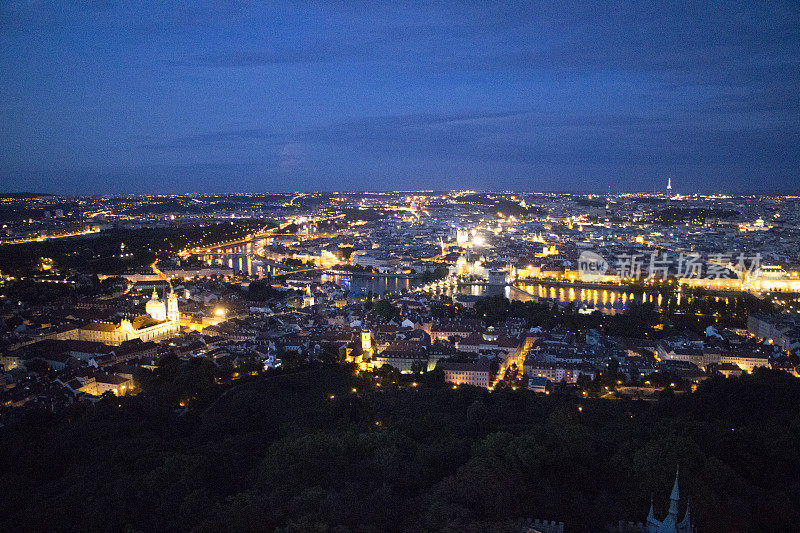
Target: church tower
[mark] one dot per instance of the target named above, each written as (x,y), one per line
(173,314)
(366,342)
(671,524)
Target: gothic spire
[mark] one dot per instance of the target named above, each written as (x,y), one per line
(686,523)
(674,498)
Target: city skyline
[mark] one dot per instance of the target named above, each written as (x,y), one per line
(166,360)
(108,98)
(405,266)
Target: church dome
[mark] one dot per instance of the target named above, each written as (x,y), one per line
(156,308)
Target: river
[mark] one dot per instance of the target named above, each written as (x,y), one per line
(609,301)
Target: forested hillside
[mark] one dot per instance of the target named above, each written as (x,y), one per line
(321,449)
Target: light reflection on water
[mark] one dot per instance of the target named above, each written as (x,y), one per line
(608,301)
(378,285)
(605,300)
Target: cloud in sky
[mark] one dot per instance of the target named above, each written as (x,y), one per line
(284,95)
(201,140)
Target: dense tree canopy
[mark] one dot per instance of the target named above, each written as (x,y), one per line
(101,252)
(698,310)
(304,451)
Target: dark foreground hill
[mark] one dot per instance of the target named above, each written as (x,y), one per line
(304,452)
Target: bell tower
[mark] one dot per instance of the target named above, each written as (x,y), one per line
(366,343)
(173,314)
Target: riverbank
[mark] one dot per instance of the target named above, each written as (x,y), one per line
(621,287)
(625,287)
(358,274)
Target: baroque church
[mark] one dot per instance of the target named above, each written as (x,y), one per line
(162,321)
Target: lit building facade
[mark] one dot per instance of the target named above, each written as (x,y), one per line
(477,373)
(162,321)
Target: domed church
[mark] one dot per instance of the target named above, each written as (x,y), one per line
(162,321)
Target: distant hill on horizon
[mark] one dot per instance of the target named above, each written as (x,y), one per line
(24,194)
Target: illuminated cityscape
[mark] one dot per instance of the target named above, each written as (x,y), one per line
(402,291)
(475,268)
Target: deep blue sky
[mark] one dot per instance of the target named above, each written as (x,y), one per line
(114,97)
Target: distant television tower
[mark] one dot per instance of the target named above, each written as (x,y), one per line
(669,189)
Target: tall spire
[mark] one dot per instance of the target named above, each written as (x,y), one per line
(670,524)
(674,498)
(675,495)
(686,523)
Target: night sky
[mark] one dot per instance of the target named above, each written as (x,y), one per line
(130,97)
